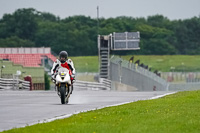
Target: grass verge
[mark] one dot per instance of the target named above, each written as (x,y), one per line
(86,63)
(173,113)
(164,63)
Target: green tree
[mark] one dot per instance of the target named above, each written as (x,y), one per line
(47,82)
(21,23)
(45,16)
(78,34)
(188,34)
(158,47)
(15,41)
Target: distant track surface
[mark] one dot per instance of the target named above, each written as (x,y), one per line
(21,108)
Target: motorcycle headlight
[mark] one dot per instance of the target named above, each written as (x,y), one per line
(62,74)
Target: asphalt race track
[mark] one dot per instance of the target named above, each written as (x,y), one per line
(21,108)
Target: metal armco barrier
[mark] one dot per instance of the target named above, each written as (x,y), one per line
(107,83)
(103,85)
(14,84)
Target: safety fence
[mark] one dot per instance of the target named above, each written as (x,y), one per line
(184,86)
(184,77)
(107,83)
(14,84)
(131,74)
(104,84)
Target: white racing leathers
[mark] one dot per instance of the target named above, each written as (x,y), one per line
(68,64)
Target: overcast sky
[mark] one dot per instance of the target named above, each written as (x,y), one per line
(173,9)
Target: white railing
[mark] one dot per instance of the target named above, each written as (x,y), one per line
(14,84)
(104,84)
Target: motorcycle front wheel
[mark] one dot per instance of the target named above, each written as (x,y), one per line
(63,94)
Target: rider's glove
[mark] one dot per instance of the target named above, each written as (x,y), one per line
(73,78)
(73,75)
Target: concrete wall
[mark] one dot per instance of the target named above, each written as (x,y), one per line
(116,86)
(132,75)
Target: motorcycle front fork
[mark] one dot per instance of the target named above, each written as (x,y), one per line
(56,89)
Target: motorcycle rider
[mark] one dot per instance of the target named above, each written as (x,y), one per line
(63,61)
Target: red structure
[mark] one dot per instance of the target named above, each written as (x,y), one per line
(28,78)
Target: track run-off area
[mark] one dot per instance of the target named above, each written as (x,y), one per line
(22,108)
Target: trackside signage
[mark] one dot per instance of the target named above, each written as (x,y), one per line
(126,41)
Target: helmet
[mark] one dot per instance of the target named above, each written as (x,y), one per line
(63,54)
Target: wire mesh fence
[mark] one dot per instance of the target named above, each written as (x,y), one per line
(184,86)
(131,74)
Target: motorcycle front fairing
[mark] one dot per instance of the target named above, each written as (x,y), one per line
(63,76)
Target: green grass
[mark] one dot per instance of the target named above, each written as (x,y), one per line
(86,63)
(37,73)
(177,113)
(181,63)
(85,77)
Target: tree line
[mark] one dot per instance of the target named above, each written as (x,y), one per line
(28,27)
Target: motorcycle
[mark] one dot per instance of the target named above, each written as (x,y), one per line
(64,84)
